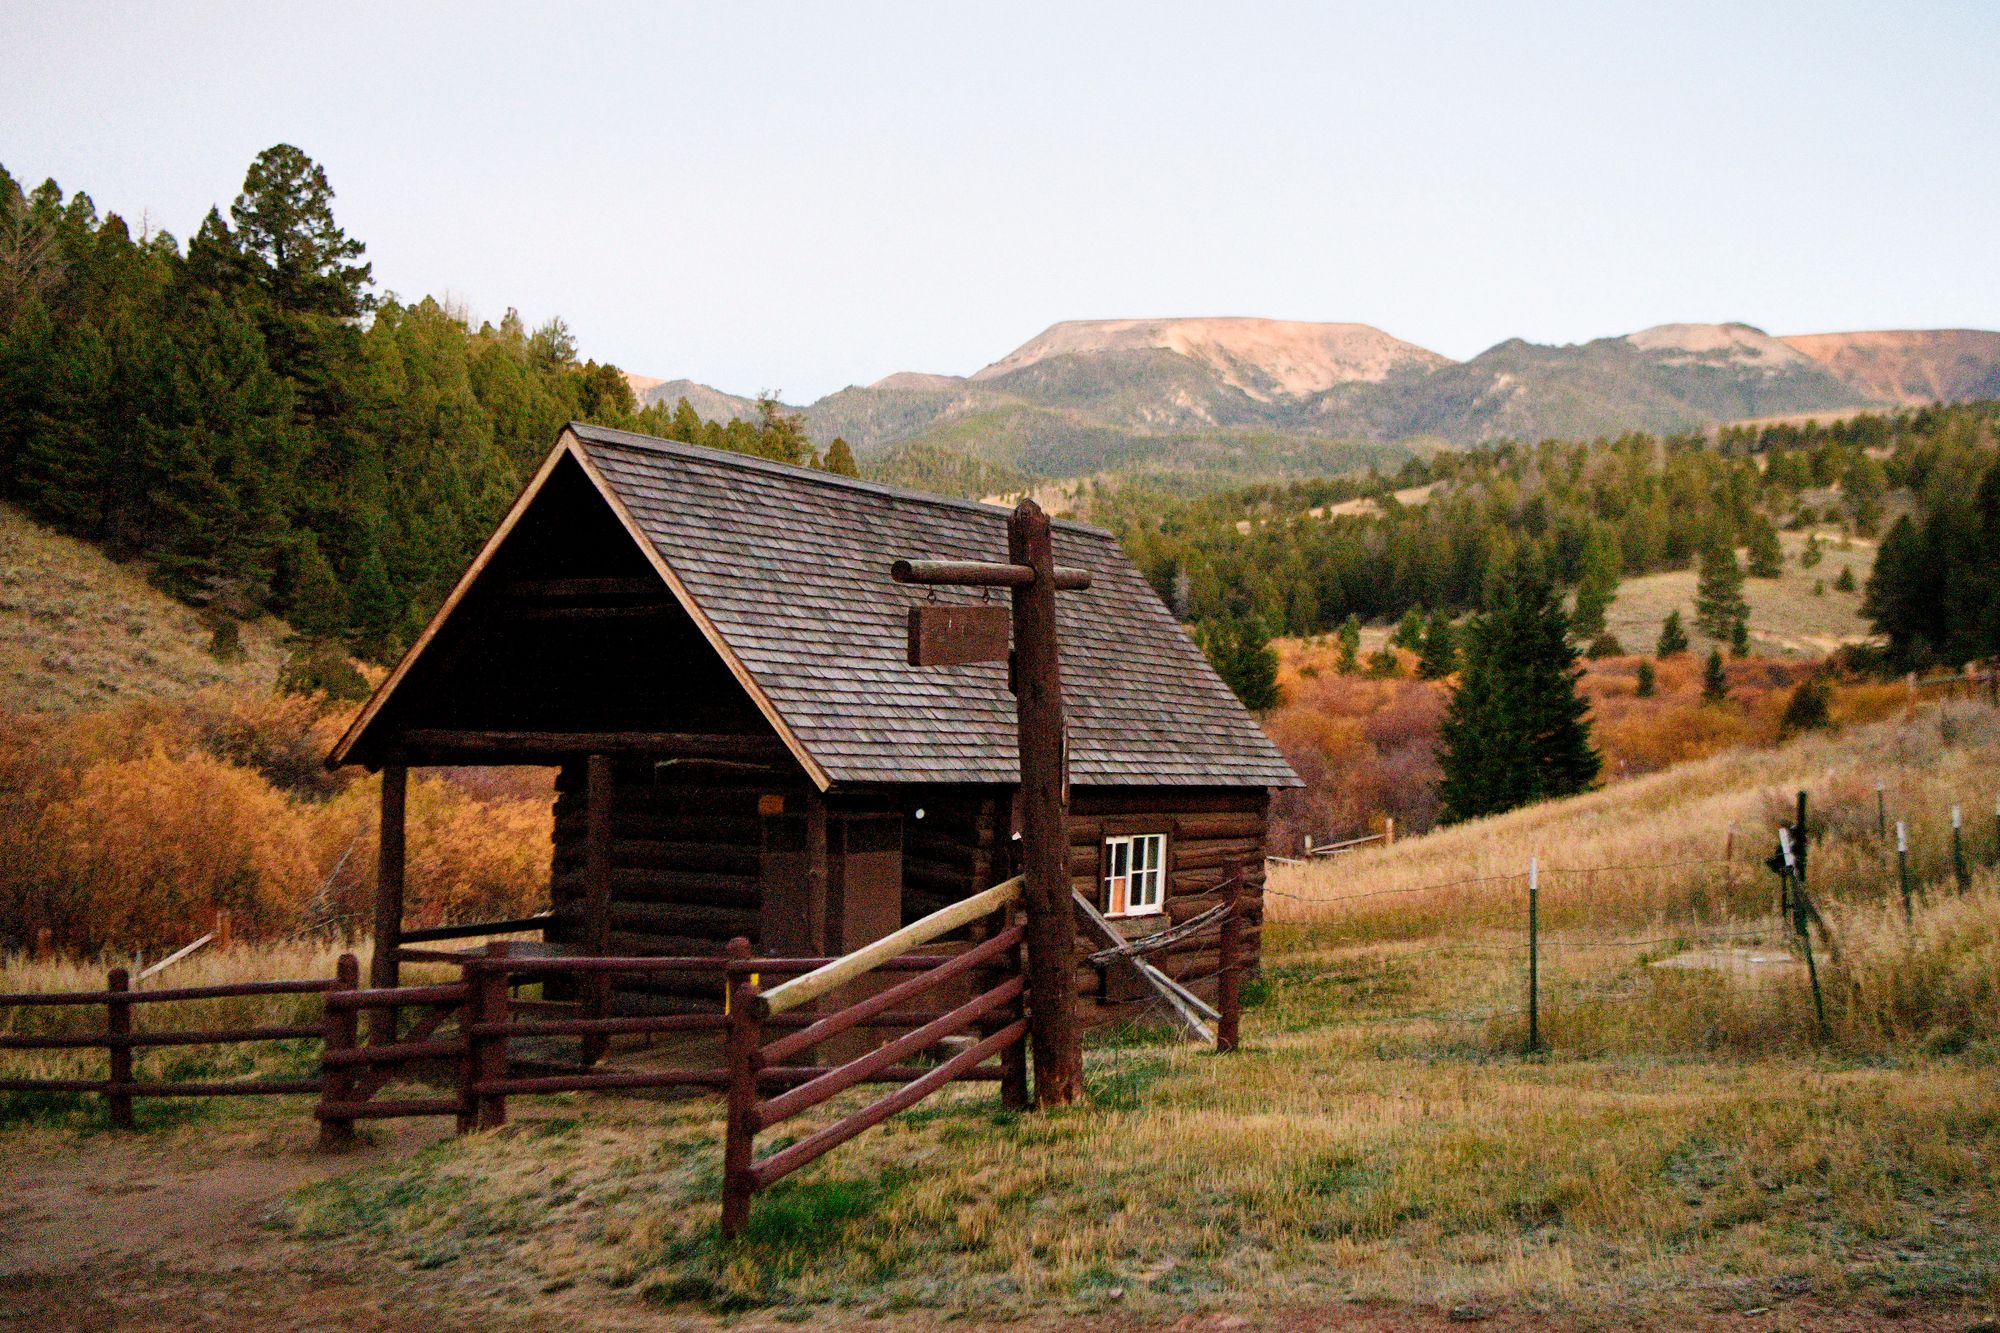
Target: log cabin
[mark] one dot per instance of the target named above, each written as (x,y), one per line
(709,648)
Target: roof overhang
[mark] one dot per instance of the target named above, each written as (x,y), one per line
(568,447)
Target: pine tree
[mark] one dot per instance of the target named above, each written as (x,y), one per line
(1767,557)
(1439,655)
(1348,639)
(1648,680)
(1739,639)
(1844,581)
(1242,655)
(1814,552)
(315,605)
(1409,631)
(292,248)
(1673,638)
(1714,679)
(840,459)
(1718,596)
(1809,709)
(1516,730)
(1596,590)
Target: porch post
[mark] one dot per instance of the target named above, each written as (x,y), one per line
(597,890)
(384,970)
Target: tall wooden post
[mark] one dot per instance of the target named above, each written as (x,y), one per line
(597,801)
(1051,925)
(489,1058)
(384,971)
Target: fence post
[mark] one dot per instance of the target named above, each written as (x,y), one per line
(1228,976)
(1903,871)
(1534,954)
(1388,830)
(1799,844)
(340,1028)
(118,1027)
(1013,1060)
(225,928)
(1801,923)
(740,1133)
(1881,813)
(1959,870)
(489,989)
(1729,863)
(45,942)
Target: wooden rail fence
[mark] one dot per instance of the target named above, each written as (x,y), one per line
(998,1014)
(120,1039)
(455,1038)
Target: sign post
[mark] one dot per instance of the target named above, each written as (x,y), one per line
(941,636)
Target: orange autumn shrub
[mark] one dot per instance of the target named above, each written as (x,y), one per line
(148,848)
(126,828)
(468,857)
(1365,748)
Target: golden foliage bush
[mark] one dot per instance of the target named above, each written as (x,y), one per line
(128,827)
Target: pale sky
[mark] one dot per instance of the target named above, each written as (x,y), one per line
(800,197)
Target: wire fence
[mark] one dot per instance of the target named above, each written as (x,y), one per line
(1794,927)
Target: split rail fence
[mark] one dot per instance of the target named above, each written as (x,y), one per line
(891,1013)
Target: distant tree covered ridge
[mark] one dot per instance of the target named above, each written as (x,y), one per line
(1301,557)
(267,432)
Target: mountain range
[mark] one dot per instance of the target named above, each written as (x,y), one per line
(1261,397)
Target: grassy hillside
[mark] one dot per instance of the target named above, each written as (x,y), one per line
(1787,617)
(78,631)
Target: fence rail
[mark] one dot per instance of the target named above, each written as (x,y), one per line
(119,1040)
(997,1015)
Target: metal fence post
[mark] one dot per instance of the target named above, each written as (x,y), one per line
(340,1029)
(1881,812)
(740,1132)
(117,1030)
(1801,922)
(1903,871)
(1534,954)
(1959,870)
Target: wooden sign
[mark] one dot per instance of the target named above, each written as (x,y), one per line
(957,635)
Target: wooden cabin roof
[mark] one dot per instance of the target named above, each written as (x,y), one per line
(786,571)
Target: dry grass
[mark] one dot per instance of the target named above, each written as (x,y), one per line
(78,631)
(1786,618)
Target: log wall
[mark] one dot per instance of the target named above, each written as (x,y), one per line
(1208,830)
(686,865)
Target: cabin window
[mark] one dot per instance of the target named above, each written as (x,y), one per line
(1135,875)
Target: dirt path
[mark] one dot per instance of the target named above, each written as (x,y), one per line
(167,1231)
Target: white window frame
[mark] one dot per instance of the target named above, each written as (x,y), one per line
(1135,875)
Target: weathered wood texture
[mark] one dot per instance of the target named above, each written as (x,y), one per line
(684,857)
(1208,831)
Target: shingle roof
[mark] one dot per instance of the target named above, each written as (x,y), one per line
(791,566)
